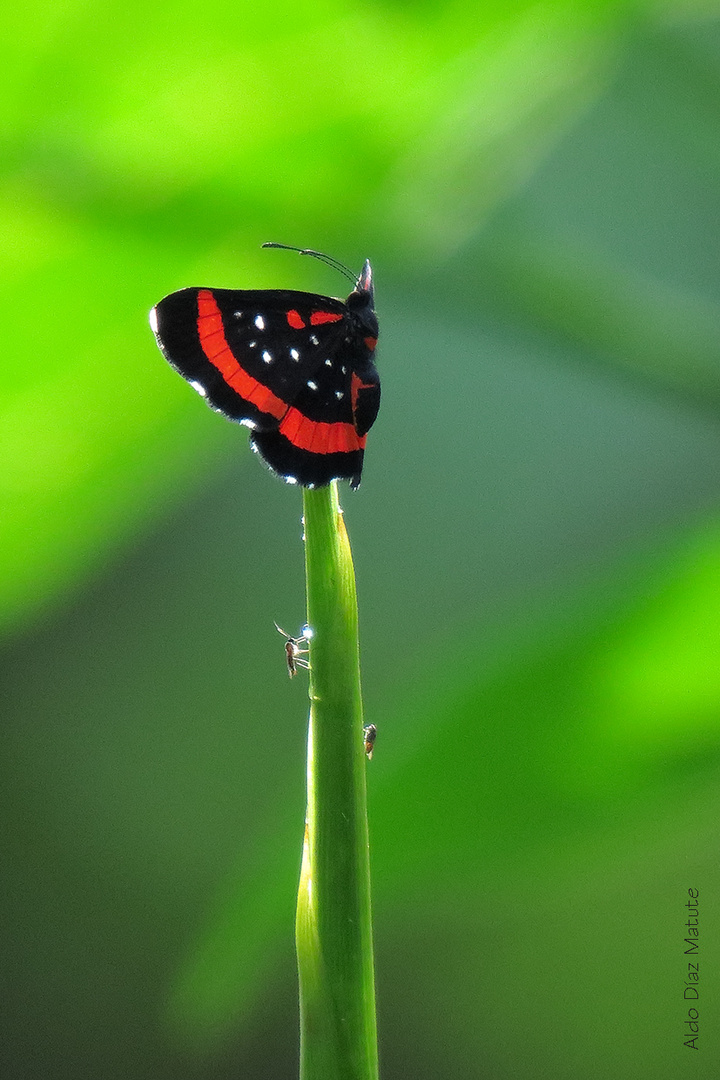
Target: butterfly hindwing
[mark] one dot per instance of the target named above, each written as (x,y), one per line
(319,438)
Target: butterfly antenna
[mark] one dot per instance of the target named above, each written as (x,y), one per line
(327,259)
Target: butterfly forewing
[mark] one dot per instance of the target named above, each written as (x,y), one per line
(214,337)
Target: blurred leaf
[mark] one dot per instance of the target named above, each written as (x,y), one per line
(508,100)
(668,336)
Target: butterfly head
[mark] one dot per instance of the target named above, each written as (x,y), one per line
(361,303)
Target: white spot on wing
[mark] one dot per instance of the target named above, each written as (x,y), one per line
(344,370)
(312,385)
(153,320)
(328,363)
(238,314)
(199,387)
(295,354)
(267,356)
(252,344)
(290,480)
(313,340)
(339,394)
(259,322)
(246,422)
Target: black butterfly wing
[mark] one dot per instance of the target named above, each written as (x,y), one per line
(249,353)
(322,437)
(295,367)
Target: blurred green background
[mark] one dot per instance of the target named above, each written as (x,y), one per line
(537,537)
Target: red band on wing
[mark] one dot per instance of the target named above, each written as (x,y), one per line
(318,437)
(295,320)
(219,353)
(371,342)
(319,317)
(356,385)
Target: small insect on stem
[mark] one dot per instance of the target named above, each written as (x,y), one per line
(294,654)
(369,735)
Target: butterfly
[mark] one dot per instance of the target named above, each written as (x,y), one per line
(296,368)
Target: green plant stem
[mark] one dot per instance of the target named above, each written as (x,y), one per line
(338,1039)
